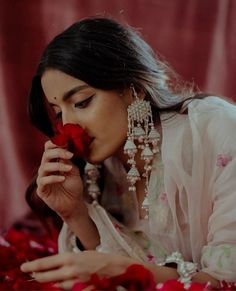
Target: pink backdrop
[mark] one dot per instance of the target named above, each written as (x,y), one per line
(197,37)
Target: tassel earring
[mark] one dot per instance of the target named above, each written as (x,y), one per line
(141,135)
(91,177)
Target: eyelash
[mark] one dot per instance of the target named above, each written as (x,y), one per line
(84,104)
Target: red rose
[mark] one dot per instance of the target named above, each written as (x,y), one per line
(73,137)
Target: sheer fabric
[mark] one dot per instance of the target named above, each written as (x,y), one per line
(192,191)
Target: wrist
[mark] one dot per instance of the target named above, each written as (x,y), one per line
(118,264)
(76,215)
(85,230)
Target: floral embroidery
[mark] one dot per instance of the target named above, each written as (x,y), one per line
(226,253)
(219,257)
(150,258)
(163,197)
(223,160)
(148,245)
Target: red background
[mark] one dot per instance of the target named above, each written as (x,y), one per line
(197,37)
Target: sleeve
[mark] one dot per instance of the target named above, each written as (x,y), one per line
(219,255)
(114,238)
(67,240)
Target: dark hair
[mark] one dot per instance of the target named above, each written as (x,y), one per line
(109,56)
(106,55)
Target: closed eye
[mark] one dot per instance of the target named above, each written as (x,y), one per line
(84,103)
(80,105)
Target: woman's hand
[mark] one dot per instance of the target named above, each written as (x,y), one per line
(59,182)
(68,268)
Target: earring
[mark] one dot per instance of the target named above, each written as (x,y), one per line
(91,177)
(141,135)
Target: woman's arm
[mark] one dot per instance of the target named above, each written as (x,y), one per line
(84,229)
(67,267)
(202,277)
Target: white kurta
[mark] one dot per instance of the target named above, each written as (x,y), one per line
(192,190)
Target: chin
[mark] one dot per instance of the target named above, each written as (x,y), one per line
(93,158)
(99,153)
(97,158)
(93,161)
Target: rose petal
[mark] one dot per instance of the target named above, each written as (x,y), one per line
(74,137)
(60,140)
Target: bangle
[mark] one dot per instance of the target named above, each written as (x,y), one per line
(186,270)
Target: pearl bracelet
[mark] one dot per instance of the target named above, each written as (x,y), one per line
(186,270)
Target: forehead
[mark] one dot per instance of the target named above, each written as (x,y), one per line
(55,83)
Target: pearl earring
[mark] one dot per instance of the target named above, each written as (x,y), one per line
(141,135)
(91,177)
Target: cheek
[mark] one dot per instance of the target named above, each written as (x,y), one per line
(115,126)
(113,132)
(110,134)
(110,119)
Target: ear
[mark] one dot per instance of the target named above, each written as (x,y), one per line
(141,94)
(128,95)
(137,93)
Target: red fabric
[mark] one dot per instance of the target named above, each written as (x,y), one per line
(197,38)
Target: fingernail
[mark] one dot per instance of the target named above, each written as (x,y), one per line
(69,154)
(68,167)
(22,267)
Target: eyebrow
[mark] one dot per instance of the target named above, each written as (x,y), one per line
(72,91)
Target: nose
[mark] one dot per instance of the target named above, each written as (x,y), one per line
(68,117)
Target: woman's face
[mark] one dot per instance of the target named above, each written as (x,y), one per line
(103,114)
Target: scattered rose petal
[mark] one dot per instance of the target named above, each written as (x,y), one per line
(16,247)
(223,160)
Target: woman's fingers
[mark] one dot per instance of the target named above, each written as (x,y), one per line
(43,264)
(58,268)
(56,153)
(43,182)
(50,145)
(48,168)
(51,173)
(68,284)
(65,273)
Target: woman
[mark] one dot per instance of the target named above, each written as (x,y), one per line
(177,204)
